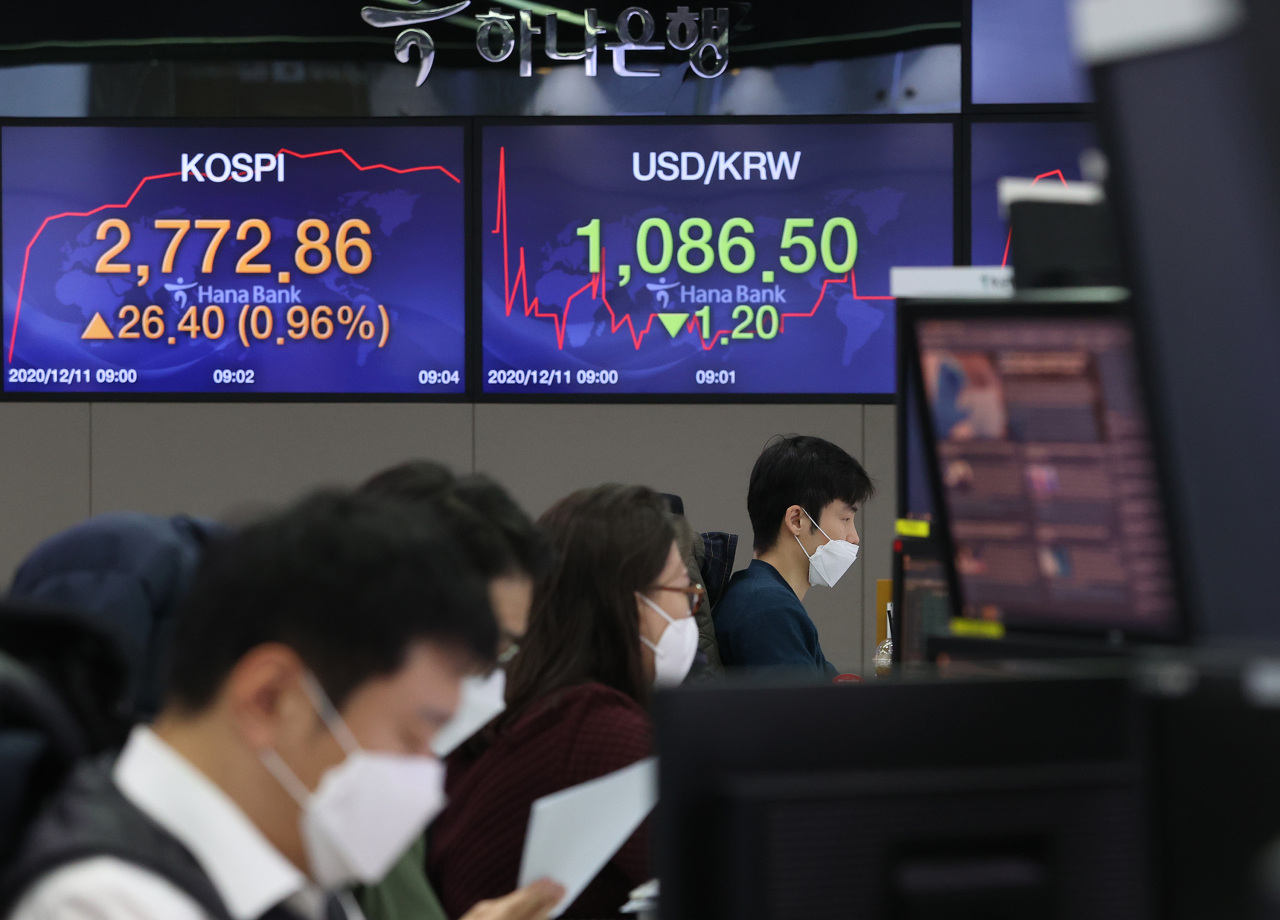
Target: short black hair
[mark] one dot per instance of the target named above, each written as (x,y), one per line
(497,535)
(801,470)
(418,479)
(349,581)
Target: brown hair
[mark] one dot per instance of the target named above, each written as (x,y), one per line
(611,541)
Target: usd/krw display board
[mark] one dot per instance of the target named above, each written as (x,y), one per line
(704,259)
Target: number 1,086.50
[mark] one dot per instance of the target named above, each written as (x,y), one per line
(733,247)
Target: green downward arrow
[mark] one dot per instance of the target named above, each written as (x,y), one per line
(674,322)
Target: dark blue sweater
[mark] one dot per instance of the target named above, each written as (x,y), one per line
(761,623)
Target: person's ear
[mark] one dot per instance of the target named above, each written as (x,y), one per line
(264,695)
(794,520)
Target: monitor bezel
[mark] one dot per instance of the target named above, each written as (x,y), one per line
(465,124)
(476,355)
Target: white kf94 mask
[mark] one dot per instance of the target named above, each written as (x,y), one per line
(675,650)
(366,811)
(830,560)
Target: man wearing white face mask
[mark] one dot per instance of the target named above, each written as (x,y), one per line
(316,657)
(803,498)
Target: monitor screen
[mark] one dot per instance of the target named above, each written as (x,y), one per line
(1047,471)
(901,799)
(1021,54)
(234,259)
(1044,151)
(923,597)
(1193,183)
(704,260)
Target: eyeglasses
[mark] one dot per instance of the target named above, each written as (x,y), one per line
(693,592)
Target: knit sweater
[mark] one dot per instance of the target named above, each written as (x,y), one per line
(571,736)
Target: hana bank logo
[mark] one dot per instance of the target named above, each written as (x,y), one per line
(703,35)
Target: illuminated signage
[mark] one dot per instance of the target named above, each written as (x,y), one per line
(703,35)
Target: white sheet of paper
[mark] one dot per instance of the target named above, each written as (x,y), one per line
(574,832)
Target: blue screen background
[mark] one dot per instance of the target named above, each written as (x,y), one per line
(1023,149)
(1022,54)
(417,272)
(893,181)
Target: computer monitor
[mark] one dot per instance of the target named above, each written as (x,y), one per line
(593,284)
(993,799)
(1213,729)
(1189,127)
(921,596)
(1040,453)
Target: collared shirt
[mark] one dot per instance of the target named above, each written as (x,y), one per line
(248,872)
(760,623)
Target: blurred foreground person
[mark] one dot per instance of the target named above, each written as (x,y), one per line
(611,620)
(502,543)
(315,658)
(128,572)
(508,551)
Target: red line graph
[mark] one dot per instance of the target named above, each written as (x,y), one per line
(26,256)
(519,287)
(1009,240)
(352,160)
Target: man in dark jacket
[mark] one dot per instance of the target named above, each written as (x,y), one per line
(802,499)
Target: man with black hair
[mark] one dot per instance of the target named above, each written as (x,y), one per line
(802,499)
(315,658)
(508,551)
(503,544)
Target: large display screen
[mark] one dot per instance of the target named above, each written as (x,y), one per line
(704,259)
(1044,151)
(1048,472)
(1022,54)
(234,259)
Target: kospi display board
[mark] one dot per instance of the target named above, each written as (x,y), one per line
(703,259)
(234,259)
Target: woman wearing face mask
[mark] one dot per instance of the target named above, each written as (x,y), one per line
(612,619)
